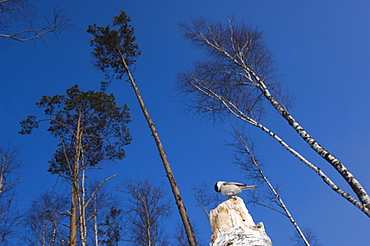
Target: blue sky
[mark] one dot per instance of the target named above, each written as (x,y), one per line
(322,52)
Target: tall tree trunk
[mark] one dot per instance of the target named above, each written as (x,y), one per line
(73,218)
(147,222)
(171,178)
(338,165)
(255,80)
(75,187)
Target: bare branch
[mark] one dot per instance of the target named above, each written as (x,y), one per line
(22,12)
(248,85)
(243,145)
(205,200)
(97,188)
(146,208)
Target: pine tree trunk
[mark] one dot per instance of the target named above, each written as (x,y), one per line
(73,227)
(73,218)
(170,176)
(232,224)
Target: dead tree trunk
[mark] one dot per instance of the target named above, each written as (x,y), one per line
(232,224)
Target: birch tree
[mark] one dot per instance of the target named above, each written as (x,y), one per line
(246,158)
(115,51)
(238,79)
(84,201)
(145,208)
(104,215)
(91,128)
(311,236)
(44,220)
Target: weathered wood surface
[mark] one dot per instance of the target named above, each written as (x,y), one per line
(232,224)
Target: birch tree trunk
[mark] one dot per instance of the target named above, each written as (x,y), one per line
(229,84)
(96,240)
(232,224)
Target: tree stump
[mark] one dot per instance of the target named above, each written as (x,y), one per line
(232,224)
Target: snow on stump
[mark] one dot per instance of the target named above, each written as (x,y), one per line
(232,224)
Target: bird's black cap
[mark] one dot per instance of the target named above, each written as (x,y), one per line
(216,188)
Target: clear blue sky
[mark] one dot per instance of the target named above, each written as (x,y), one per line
(322,52)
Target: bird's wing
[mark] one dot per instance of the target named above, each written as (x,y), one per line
(235,183)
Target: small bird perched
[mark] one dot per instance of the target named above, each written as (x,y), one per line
(231,189)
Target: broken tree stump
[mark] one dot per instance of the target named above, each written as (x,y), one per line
(232,224)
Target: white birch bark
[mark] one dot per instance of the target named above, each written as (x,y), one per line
(344,172)
(232,224)
(237,56)
(240,114)
(96,240)
(84,203)
(82,220)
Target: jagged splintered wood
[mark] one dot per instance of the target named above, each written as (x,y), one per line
(232,224)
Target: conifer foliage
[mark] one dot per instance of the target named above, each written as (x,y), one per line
(114,53)
(91,128)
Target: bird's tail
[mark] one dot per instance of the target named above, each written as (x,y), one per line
(249,187)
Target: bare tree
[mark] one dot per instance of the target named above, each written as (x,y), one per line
(9,216)
(44,220)
(84,201)
(205,199)
(239,79)
(145,209)
(180,236)
(8,168)
(311,236)
(115,51)
(22,16)
(245,147)
(104,216)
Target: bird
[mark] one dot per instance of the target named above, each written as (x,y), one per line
(231,189)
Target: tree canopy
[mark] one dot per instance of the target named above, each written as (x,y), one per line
(111,44)
(102,126)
